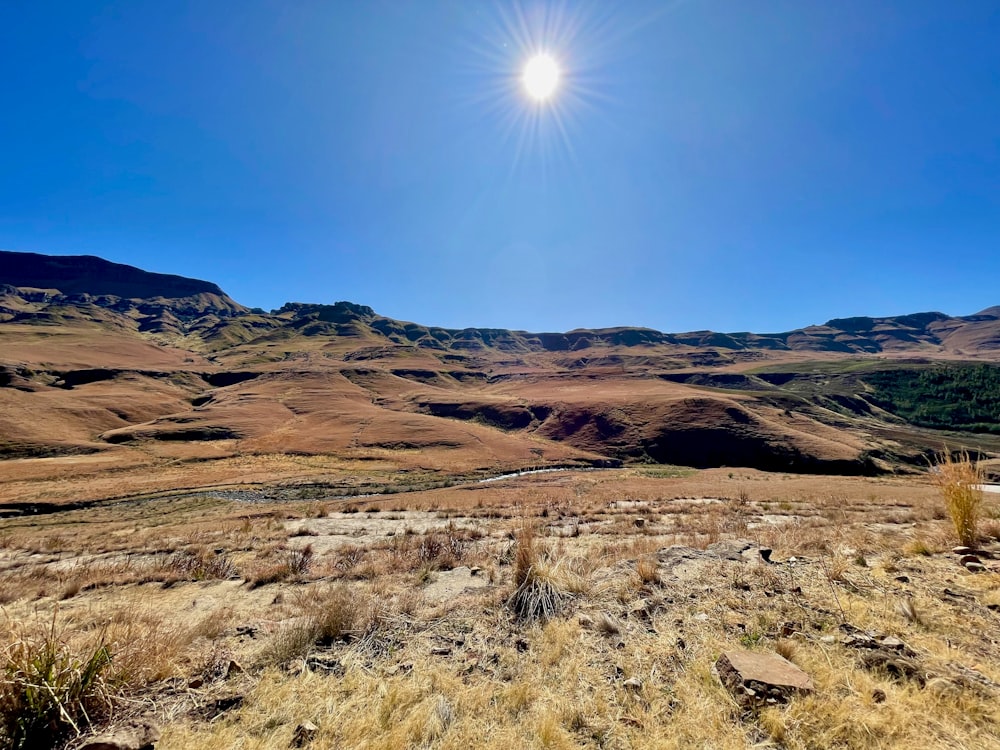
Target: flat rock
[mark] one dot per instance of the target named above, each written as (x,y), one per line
(136,736)
(756,679)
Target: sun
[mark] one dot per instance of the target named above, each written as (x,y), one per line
(541,77)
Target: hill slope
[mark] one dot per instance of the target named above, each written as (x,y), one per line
(171,368)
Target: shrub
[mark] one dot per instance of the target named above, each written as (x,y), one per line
(197,565)
(536,596)
(50,692)
(958,478)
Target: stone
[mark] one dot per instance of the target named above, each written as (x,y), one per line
(440,651)
(475,571)
(975,567)
(765,554)
(633,684)
(219,706)
(903,579)
(756,679)
(639,522)
(323,663)
(234,668)
(304,734)
(585,621)
(900,667)
(640,608)
(878,695)
(966,559)
(962,550)
(136,736)
(893,643)
(196,683)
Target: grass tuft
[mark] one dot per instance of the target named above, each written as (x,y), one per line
(51,692)
(958,479)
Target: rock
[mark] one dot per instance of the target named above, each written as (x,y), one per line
(327,664)
(897,666)
(878,695)
(633,684)
(962,550)
(585,621)
(640,608)
(440,651)
(136,736)
(966,559)
(219,706)
(234,668)
(958,594)
(903,579)
(304,734)
(788,629)
(975,567)
(196,683)
(639,522)
(755,679)
(893,644)
(475,571)
(828,639)
(250,631)
(765,554)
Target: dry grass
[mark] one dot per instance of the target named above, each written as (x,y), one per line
(958,478)
(607,647)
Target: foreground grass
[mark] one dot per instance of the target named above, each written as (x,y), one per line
(386,638)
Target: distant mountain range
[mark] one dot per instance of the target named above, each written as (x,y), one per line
(97,357)
(181,306)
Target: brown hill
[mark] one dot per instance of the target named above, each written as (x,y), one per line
(139,380)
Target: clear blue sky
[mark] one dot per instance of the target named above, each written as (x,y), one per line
(706,164)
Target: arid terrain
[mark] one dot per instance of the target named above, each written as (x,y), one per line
(322,527)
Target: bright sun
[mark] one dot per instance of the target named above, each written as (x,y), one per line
(541,77)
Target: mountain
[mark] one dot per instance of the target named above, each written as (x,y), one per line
(136,367)
(50,290)
(87,274)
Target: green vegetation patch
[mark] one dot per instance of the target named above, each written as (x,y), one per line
(950,397)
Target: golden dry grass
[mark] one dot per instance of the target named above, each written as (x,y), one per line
(959,479)
(411,649)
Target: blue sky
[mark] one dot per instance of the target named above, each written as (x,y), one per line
(705,164)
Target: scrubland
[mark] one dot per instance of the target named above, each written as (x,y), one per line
(573,609)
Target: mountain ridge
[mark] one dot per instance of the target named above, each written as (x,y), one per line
(87,279)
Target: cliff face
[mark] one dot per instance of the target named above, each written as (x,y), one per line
(46,288)
(87,274)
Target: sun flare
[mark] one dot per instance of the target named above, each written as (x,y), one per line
(541,77)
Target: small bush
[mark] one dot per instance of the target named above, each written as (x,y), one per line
(648,570)
(329,615)
(958,478)
(197,565)
(50,692)
(536,597)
